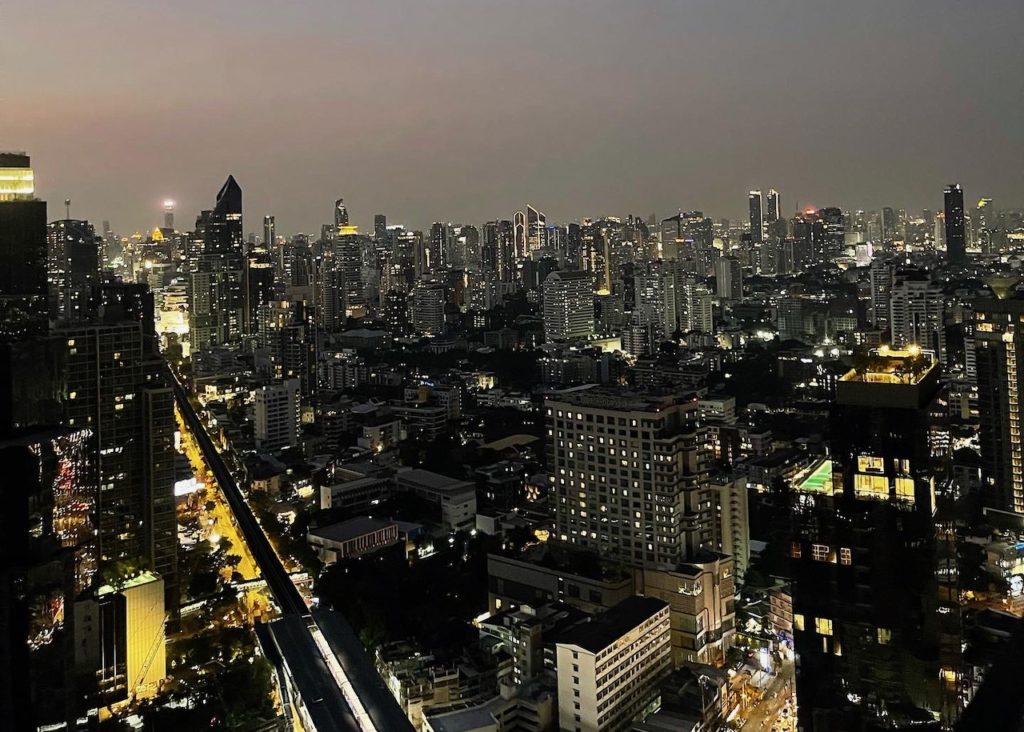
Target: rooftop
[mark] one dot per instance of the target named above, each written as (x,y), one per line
(601,631)
(350,529)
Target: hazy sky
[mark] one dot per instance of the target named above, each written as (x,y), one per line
(464,110)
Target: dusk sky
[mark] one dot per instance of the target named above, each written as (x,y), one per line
(465,110)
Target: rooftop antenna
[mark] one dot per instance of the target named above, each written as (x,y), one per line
(67,208)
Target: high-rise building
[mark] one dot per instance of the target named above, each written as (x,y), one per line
(956,241)
(609,667)
(519,234)
(340,214)
(428,300)
(348,271)
(756,217)
(652,508)
(881,274)
(729,278)
(865,605)
(46,559)
(699,315)
(278,414)
(999,363)
(917,312)
(536,230)
(73,265)
(116,389)
(217,287)
(380,228)
(773,211)
(568,306)
(23,274)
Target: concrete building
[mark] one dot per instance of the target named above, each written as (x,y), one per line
(120,632)
(732,519)
(278,413)
(455,498)
(568,306)
(352,538)
(629,473)
(917,312)
(609,668)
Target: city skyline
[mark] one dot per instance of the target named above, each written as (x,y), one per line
(306,119)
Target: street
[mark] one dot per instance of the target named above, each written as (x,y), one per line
(777,709)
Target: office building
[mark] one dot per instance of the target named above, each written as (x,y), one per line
(729,279)
(116,389)
(956,239)
(340,214)
(754,203)
(217,264)
(866,625)
(568,306)
(278,415)
(917,312)
(999,363)
(428,301)
(609,667)
(23,269)
(772,211)
(73,266)
(536,230)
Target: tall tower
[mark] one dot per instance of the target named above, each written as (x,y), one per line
(999,355)
(169,214)
(772,211)
(340,214)
(536,229)
(23,286)
(956,243)
(756,217)
(519,231)
(865,615)
(217,294)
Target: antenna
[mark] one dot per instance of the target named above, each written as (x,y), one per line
(67,208)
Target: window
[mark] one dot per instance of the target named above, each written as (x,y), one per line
(884,636)
(823,626)
(869,464)
(798,621)
(870,486)
(845,556)
(819,552)
(795,550)
(905,489)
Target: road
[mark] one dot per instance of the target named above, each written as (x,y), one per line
(767,715)
(322,669)
(286,595)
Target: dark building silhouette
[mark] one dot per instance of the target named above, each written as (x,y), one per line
(863,560)
(23,286)
(956,241)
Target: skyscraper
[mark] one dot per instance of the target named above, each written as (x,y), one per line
(340,214)
(756,217)
(536,229)
(23,276)
(999,357)
(217,294)
(863,554)
(519,232)
(773,210)
(73,265)
(568,306)
(380,228)
(917,312)
(729,278)
(956,242)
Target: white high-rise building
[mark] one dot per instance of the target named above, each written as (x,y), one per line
(609,668)
(278,415)
(917,312)
(568,306)
(729,278)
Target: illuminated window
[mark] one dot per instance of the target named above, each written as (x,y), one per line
(823,626)
(905,489)
(884,636)
(870,486)
(837,648)
(795,551)
(798,621)
(845,556)
(819,552)
(870,464)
